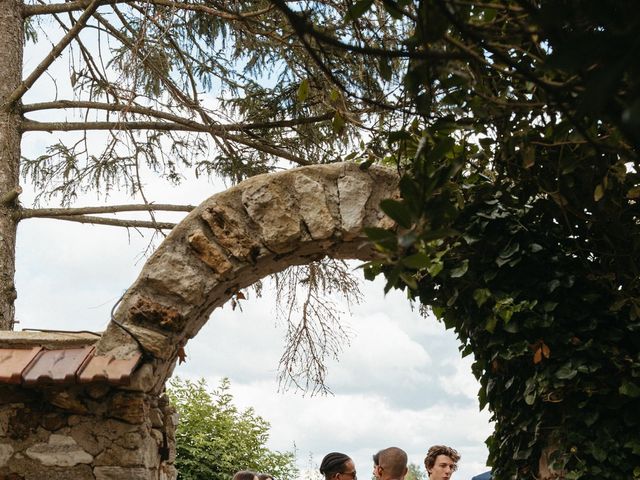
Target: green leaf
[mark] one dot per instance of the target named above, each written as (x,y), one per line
(303,90)
(566,372)
(417,261)
(481,295)
(634,446)
(491,324)
(409,281)
(397,211)
(435,268)
(338,123)
(629,389)
(378,234)
(460,270)
(598,193)
(535,248)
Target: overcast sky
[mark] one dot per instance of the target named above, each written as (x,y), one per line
(399,382)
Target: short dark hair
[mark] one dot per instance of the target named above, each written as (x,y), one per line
(435,450)
(265,476)
(244,475)
(393,460)
(333,463)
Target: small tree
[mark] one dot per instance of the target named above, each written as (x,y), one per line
(416,472)
(215,439)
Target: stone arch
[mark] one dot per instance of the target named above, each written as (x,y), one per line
(234,238)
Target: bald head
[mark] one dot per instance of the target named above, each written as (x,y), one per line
(393,463)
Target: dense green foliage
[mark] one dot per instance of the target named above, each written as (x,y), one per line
(519,222)
(214,439)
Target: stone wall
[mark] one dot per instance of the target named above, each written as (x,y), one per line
(85,433)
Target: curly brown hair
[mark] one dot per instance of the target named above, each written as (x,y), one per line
(434,451)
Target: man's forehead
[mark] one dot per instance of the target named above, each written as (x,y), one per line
(444,459)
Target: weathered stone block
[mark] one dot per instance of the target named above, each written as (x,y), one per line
(130,440)
(354,193)
(69,401)
(155,415)
(61,451)
(5,453)
(272,207)
(232,231)
(313,207)
(53,421)
(129,407)
(145,456)
(175,276)
(209,253)
(122,473)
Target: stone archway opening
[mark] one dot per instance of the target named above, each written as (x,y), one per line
(94,409)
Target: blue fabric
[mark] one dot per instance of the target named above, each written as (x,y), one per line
(483,476)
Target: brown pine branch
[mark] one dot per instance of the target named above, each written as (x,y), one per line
(33,126)
(114,222)
(31,10)
(68,212)
(48,9)
(137,109)
(73,32)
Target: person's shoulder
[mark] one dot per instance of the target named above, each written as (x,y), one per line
(483,476)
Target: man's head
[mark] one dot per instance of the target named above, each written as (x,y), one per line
(390,464)
(441,461)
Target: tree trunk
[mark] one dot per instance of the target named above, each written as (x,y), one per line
(11,48)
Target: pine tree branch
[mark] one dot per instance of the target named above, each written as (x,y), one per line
(137,109)
(33,126)
(114,222)
(191,103)
(69,212)
(27,83)
(31,10)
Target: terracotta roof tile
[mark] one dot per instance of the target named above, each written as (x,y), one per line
(108,369)
(13,361)
(57,366)
(45,358)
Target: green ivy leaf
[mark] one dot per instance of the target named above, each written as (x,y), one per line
(629,389)
(435,268)
(397,211)
(491,324)
(460,270)
(379,234)
(481,295)
(417,261)
(566,372)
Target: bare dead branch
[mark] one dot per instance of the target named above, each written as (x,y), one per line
(27,83)
(66,212)
(137,109)
(31,10)
(315,332)
(33,126)
(114,222)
